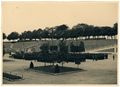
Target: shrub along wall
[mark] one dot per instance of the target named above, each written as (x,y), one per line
(57,57)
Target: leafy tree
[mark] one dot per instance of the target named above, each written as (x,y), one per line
(51,33)
(39,33)
(23,36)
(13,36)
(89,31)
(62,52)
(98,31)
(80,30)
(45,48)
(63,47)
(4,36)
(45,33)
(20,37)
(115,27)
(26,35)
(63,31)
(81,47)
(34,34)
(106,31)
(70,33)
(29,35)
(45,52)
(60,31)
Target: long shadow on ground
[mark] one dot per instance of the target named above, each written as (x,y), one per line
(51,69)
(7,60)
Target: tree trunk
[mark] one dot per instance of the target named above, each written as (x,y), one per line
(45,64)
(62,64)
(77,65)
(53,63)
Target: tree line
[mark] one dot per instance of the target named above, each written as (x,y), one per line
(64,32)
(60,56)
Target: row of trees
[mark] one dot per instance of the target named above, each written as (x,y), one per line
(62,47)
(60,56)
(64,32)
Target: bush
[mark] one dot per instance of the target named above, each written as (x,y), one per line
(18,55)
(57,69)
(45,48)
(53,48)
(79,48)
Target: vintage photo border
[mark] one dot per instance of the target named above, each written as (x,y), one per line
(63,85)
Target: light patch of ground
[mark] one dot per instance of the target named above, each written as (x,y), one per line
(96,72)
(107,50)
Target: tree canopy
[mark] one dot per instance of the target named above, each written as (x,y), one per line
(4,36)
(13,36)
(64,32)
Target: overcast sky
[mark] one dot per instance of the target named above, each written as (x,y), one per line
(21,16)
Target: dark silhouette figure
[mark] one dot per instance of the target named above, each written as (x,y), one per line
(57,69)
(113,57)
(31,65)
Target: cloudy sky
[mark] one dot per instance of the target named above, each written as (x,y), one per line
(21,16)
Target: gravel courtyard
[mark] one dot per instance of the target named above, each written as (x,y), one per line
(95,72)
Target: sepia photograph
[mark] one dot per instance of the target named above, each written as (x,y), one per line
(65,42)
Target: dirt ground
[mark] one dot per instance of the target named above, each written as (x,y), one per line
(95,72)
